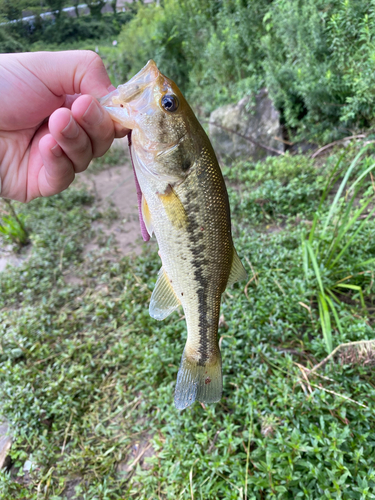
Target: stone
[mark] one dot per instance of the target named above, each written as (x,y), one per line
(5,444)
(259,121)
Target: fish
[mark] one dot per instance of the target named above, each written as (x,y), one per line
(183,201)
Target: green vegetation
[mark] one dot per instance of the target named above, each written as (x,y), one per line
(336,269)
(315,57)
(12,225)
(86,374)
(87,377)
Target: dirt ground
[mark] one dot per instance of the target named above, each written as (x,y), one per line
(114,189)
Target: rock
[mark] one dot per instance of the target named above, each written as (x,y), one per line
(260,122)
(28,465)
(5,444)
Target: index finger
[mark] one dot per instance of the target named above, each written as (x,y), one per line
(69,72)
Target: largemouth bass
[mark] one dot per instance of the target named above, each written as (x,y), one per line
(184,202)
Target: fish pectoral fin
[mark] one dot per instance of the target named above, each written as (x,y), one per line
(237,271)
(174,208)
(163,299)
(146,214)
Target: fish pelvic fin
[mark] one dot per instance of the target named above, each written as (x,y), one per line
(237,271)
(197,382)
(163,299)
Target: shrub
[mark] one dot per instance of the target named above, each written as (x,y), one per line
(316,57)
(66,30)
(9,43)
(211,49)
(319,64)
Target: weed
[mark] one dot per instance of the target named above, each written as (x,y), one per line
(326,252)
(12,226)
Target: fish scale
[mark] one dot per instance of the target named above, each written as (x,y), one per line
(185,204)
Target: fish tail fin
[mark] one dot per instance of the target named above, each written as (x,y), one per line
(197,382)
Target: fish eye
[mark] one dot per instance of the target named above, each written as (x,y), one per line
(169,102)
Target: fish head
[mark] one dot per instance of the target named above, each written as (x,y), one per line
(165,132)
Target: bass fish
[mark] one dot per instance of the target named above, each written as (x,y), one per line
(184,202)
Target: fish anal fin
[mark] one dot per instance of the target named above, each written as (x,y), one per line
(196,382)
(146,214)
(237,271)
(174,208)
(163,299)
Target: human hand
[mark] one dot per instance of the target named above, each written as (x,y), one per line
(39,158)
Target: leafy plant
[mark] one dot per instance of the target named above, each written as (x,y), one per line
(318,64)
(326,251)
(12,226)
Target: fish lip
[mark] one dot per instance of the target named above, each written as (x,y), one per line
(107,100)
(145,76)
(128,91)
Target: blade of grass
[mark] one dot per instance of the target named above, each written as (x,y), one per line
(248,450)
(364,263)
(345,227)
(313,227)
(324,196)
(334,312)
(315,266)
(351,238)
(341,188)
(356,288)
(361,177)
(305,256)
(325,321)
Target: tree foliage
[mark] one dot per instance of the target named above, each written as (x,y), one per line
(316,57)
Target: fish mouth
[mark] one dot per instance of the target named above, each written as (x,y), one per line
(135,86)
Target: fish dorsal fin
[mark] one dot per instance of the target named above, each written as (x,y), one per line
(163,299)
(146,214)
(237,271)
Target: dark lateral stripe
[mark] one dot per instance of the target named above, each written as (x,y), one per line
(198,249)
(211,196)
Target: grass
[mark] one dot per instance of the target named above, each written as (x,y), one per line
(12,225)
(87,377)
(326,251)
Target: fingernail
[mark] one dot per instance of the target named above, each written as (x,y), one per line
(93,113)
(71,131)
(56,150)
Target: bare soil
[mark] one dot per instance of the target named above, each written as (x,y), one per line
(114,192)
